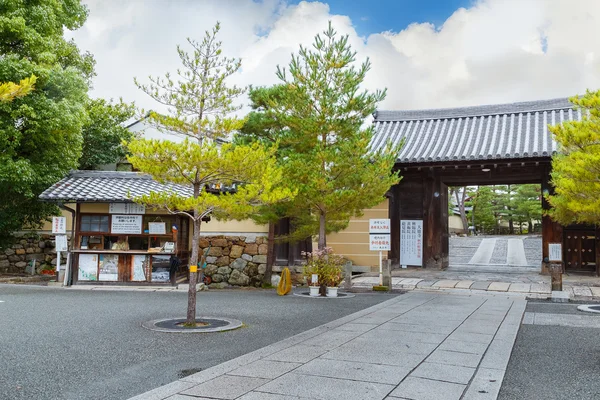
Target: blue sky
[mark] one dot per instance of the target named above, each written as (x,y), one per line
(373,16)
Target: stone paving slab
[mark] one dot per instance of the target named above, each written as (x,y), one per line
(445,284)
(499,286)
(464,284)
(415,346)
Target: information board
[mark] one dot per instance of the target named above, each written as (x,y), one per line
(411,242)
(379,242)
(381,225)
(126,224)
(59,225)
(126,208)
(61,242)
(157,228)
(88,267)
(555,251)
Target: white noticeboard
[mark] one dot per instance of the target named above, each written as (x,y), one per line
(61,243)
(126,208)
(555,251)
(59,225)
(88,267)
(157,228)
(379,242)
(411,242)
(379,225)
(126,224)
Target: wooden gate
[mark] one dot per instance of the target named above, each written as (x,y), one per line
(580,249)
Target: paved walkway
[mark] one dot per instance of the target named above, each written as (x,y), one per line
(420,346)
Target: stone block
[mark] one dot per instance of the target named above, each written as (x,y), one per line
(275,279)
(218,242)
(250,239)
(482,285)
(247,257)
(215,251)
(9,252)
(263,249)
(217,278)
(53,261)
(259,259)
(441,372)
(238,278)
(37,257)
(251,270)
(17,246)
(211,259)
(224,270)
(262,268)
(225,387)
(20,251)
(222,261)
(226,251)
(499,286)
(463,285)
(203,243)
(264,369)
(560,296)
(426,389)
(239,264)
(29,250)
(355,371)
(219,285)
(236,251)
(3,257)
(41,244)
(4,264)
(210,269)
(251,249)
(454,358)
(22,264)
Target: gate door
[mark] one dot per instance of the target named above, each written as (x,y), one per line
(580,249)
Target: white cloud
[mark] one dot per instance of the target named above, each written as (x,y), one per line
(493,52)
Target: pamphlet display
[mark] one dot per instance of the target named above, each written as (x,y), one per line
(88,267)
(157,228)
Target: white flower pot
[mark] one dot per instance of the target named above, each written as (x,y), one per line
(314,291)
(332,291)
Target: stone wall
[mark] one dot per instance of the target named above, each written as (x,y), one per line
(15,258)
(235,260)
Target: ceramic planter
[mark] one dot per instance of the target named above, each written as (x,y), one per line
(332,291)
(314,291)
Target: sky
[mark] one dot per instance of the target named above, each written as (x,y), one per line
(427,53)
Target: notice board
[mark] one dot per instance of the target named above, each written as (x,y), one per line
(411,242)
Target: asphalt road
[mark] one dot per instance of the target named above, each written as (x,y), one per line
(554,362)
(60,344)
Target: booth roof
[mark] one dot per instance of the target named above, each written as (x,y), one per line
(492,132)
(107,186)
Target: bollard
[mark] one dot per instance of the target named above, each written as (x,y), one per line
(348,275)
(556,276)
(387,274)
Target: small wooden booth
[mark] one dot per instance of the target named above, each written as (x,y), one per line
(115,240)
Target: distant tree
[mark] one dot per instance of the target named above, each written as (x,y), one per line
(576,167)
(484,212)
(317,114)
(460,194)
(104,133)
(40,134)
(528,205)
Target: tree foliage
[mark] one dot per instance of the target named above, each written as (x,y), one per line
(10,90)
(104,133)
(316,115)
(200,100)
(576,167)
(40,134)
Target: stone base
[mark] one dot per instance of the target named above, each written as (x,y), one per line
(559,296)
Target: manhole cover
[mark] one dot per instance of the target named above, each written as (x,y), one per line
(339,296)
(591,308)
(209,324)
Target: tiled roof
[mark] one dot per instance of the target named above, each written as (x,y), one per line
(106,186)
(505,131)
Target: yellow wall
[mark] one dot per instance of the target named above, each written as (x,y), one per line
(353,242)
(47,227)
(455,224)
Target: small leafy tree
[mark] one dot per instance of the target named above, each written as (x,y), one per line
(316,114)
(199,104)
(528,205)
(484,211)
(250,170)
(104,133)
(576,167)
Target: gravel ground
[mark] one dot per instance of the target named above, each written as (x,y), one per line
(462,249)
(61,344)
(500,251)
(553,362)
(533,250)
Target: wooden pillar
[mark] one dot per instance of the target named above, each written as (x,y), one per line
(394,214)
(435,221)
(597,243)
(552,232)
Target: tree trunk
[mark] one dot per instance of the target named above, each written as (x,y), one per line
(191,308)
(322,239)
(511,226)
(461,208)
(529,227)
(270,254)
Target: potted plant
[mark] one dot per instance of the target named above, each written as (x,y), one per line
(326,267)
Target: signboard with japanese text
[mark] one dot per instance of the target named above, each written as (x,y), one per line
(379,242)
(555,252)
(411,242)
(59,225)
(157,228)
(61,242)
(126,208)
(126,224)
(379,226)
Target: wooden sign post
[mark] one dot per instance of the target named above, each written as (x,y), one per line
(379,240)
